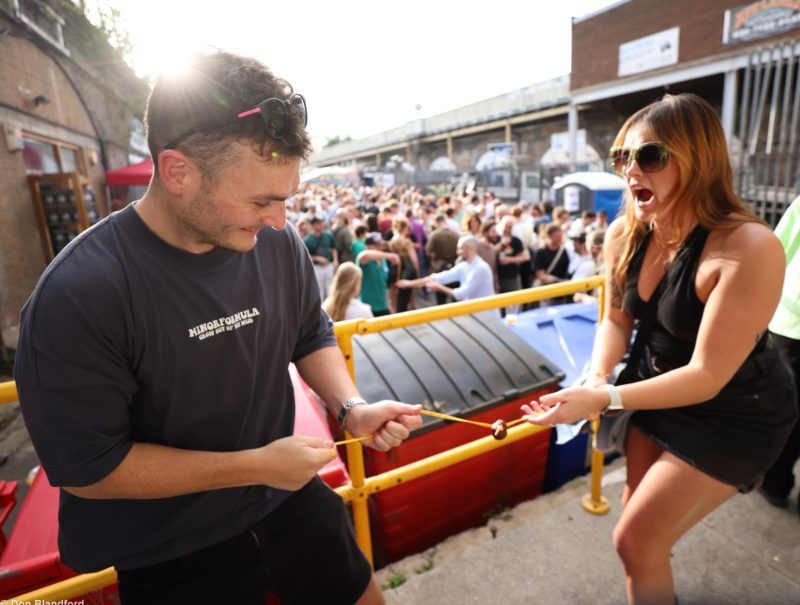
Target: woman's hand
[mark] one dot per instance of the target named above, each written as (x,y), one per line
(566,406)
(595,381)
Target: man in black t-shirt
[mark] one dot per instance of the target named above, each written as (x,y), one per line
(510,255)
(153,362)
(551,263)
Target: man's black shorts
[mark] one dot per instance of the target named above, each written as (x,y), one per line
(303,552)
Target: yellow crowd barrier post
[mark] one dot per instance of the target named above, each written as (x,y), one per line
(594,502)
(8,392)
(355,459)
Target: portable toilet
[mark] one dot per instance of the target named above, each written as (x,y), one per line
(581,191)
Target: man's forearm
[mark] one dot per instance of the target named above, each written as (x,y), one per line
(447,291)
(325,372)
(416,283)
(157,471)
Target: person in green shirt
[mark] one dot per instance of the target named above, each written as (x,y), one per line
(785,330)
(322,247)
(373,281)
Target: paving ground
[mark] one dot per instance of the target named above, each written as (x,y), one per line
(552,552)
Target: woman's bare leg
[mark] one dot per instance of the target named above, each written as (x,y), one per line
(669,499)
(640,454)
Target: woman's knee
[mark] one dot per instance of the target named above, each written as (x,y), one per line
(637,548)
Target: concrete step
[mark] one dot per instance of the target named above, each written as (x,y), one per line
(549,550)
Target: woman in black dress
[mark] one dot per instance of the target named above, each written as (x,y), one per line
(714,400)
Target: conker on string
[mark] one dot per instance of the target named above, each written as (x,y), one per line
(499,429)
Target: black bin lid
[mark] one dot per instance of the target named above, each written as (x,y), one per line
(456,366)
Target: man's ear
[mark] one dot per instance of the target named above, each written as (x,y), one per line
(177,173)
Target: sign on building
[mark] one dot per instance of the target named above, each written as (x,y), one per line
(648,53)
(559,141)
(760,20)
(507,148)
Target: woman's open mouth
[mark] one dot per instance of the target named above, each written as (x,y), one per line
(642,195)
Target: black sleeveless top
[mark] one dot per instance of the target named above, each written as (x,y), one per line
(733,436)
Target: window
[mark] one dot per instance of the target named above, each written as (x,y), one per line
(43,156)
(43,19)
(69,160)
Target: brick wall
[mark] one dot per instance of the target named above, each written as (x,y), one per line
(595,42)
(27,71)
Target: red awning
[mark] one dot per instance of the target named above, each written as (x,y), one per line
(138,174)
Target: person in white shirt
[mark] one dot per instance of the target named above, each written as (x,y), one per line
(472,272)
(581,262)
(342,301)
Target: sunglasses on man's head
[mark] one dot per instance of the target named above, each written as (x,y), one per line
(651,157)
(273,113)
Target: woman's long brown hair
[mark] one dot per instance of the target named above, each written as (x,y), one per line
(690,128)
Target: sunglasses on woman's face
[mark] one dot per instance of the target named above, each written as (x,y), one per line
(651,157)
(273,112)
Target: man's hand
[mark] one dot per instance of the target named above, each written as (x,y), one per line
(291,462)
(390,422)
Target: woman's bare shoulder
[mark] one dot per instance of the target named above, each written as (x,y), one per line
(750,238)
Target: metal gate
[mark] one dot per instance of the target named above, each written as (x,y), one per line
(766,155)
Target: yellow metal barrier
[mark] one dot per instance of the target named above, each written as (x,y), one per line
(67,589)
(8,392)
(360,487)
(426,466)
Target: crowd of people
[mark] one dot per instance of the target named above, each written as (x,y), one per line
(390,247)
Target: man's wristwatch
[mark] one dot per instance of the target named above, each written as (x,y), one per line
(614,399)
(346,407)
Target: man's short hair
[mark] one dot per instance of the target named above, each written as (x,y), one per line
(597,237)
(208,98)
(468,240)
(314,220)
(373,239)
(487,225)
(361,230)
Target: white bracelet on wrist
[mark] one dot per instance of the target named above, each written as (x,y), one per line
(614,398)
